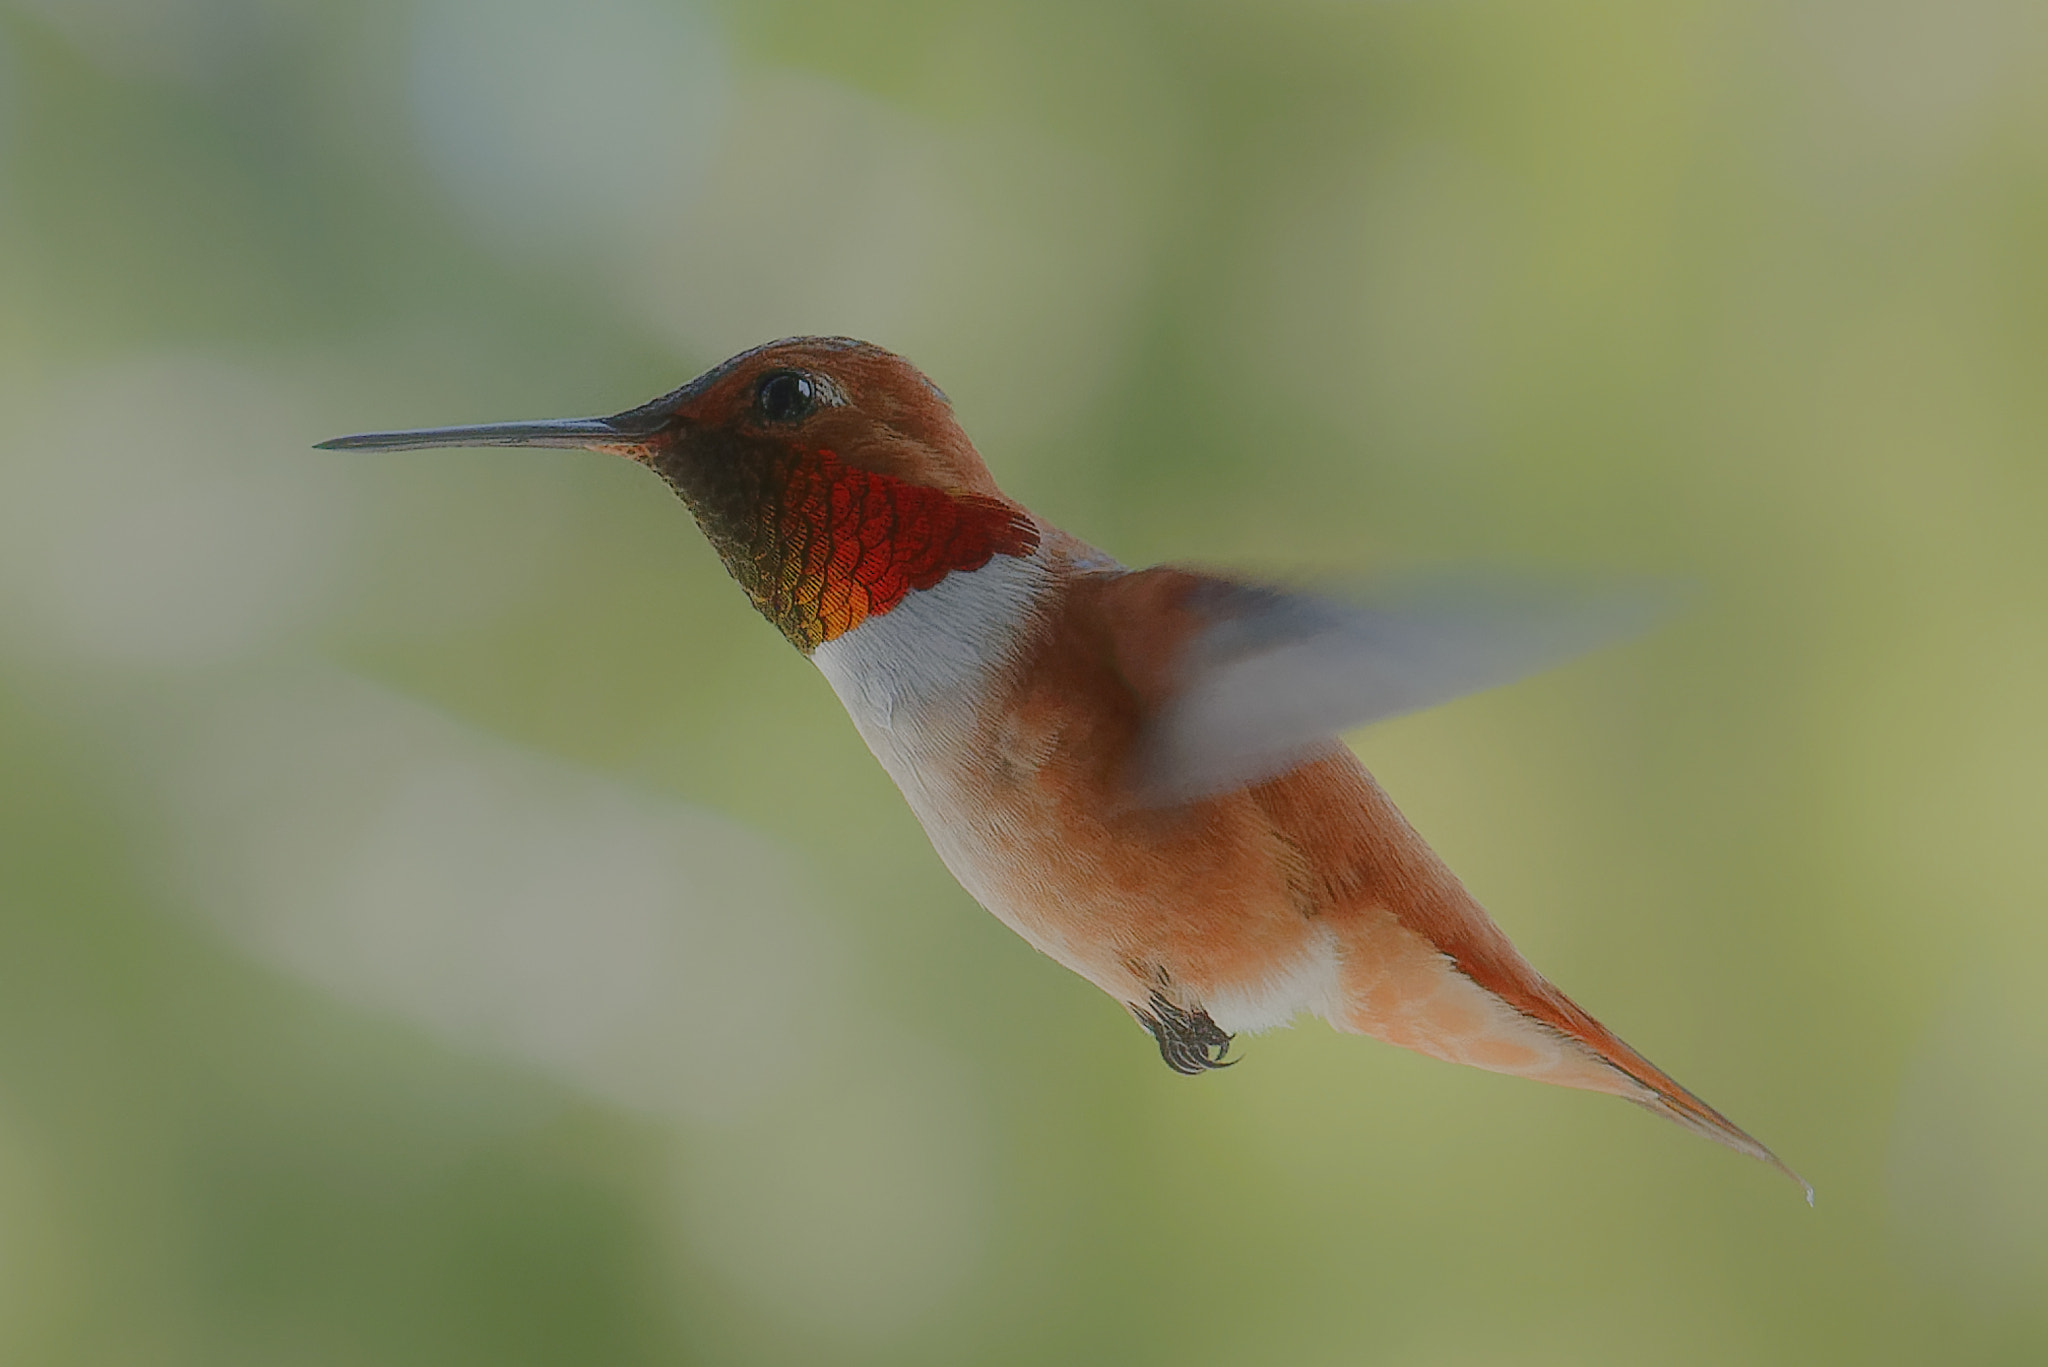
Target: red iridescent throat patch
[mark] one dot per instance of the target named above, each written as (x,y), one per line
(821,546)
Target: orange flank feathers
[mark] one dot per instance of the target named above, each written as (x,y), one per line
(1138,772)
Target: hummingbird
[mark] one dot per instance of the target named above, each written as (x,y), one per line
(1137,771)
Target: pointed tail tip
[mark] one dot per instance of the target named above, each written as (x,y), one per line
(1781,1165)
(1756,1150)
(1695,1115)
(1804,1185)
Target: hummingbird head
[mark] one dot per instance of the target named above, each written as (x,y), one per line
(830,475)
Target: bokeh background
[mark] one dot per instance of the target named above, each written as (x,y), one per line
(440,924)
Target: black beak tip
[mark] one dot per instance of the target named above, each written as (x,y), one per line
(363,441)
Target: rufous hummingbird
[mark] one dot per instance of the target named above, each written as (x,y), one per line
(1137,771)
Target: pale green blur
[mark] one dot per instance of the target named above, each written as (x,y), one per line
(441,925)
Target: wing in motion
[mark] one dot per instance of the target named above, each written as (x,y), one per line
(1262,679)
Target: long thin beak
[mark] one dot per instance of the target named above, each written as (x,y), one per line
(592,434)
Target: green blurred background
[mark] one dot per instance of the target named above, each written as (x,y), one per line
(440,924)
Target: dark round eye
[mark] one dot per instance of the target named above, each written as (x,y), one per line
(786,396)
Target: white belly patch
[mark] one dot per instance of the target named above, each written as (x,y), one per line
(1313,984)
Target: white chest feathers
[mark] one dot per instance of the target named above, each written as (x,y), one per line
(920,666)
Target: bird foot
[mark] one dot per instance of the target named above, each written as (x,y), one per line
(1189,1041)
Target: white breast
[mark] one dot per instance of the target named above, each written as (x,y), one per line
(914,680)
(919,665)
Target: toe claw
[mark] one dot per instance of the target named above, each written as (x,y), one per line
(1189,1041)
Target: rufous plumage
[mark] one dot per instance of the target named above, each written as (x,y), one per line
(1138,771)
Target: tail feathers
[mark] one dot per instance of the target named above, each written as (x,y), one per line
(1666,1097)
(1675,1103)
(1475,1001)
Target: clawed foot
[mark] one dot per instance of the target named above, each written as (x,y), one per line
(1189,1041)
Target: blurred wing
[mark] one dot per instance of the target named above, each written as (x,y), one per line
(1262,679)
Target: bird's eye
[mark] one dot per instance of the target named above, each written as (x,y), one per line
(786,396)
